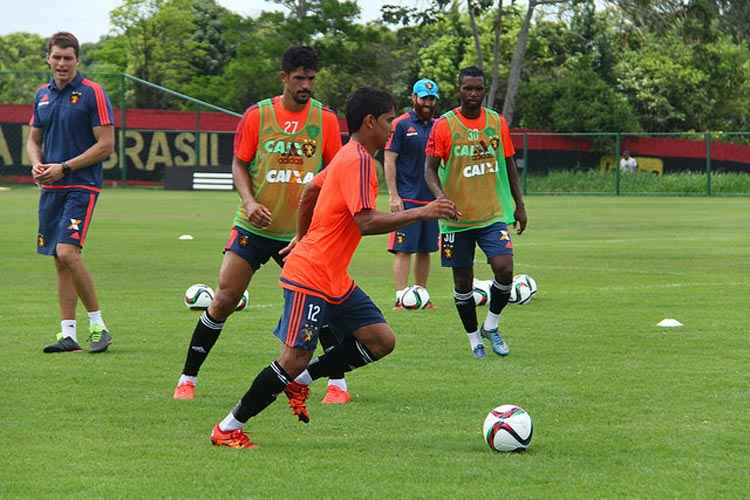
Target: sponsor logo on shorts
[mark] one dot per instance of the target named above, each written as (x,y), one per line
(243,240)
(40,240)
(74,224)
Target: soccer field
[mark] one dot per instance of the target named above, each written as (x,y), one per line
(621,407)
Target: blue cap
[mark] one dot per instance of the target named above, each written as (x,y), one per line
(426,87)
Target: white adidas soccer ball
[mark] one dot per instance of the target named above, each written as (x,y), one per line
(242,304)
(508,428)
(523,289)
(198,296)
(415,297)
(481,292)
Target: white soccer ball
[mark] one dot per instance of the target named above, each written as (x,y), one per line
(242,304)
(198,296)
(523,289)
(481,292)
(415,297)
(508,428)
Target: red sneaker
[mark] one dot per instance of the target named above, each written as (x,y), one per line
(185,390)
(336,396)
(297,394)
(232,439)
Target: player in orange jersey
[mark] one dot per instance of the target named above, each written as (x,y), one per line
(470,161)
(336,209)
(281,143)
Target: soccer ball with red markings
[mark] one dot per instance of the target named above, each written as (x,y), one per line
(481,292)
(508,428)
(198,296)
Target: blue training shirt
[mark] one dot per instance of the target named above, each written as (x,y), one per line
(67,117)
(408,140)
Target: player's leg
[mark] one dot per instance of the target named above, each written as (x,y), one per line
(298,328)
(367,337)
(496,243)
(337,392)
(401,265)
(427,243)
(67,300)
(457,252)
(244,253)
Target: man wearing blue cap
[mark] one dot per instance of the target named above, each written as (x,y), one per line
(404,175)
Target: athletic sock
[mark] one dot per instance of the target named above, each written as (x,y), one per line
(230,423)
(499,295)
(205,335)
(187,378)
(346,356)
(328,340)
(338,382)
(400,293)
(467,310)
(69,328)
(95,319)
(304,378)
(267,385)
(474,339)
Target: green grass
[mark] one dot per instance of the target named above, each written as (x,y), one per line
(622,409)
(592,181)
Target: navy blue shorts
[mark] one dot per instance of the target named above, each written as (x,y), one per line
(457,249)
(419,237)
(304,315)
(255,249)
(64,217)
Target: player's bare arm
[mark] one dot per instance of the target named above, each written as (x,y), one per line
(374,222)
(389,168)
(257,214)
(99,151)
(432,163)
(34,150)
(515,189)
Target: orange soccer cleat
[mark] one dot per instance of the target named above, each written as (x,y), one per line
(231,439)
(336,396)
(185,391)
(297,394)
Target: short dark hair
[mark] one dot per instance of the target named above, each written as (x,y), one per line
(366,101)
(63,39)
(300,56)
(470,71)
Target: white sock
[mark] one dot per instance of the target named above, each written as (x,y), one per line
(338,382)
(230,423)
(69,328)
(492,320)
(187,378)
(304,378)
(474,339)
(95,319)
(399,293)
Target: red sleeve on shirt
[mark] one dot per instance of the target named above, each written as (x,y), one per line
(508,148)
(361,188)
(439,142)
(331,135)
(246,136)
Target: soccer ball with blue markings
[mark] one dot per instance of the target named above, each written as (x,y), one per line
(198,296)
(415,297)
(508,428)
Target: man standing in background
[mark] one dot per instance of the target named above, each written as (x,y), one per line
(71,133)
(404,175)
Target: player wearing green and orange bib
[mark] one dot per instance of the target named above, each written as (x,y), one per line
(470,162)
(280,144)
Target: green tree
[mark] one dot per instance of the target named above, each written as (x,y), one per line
(21,53)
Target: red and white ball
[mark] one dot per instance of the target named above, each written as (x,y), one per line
(508,428)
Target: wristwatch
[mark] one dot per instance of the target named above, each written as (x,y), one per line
(66,168)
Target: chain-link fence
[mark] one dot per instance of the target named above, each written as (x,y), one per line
(158,129)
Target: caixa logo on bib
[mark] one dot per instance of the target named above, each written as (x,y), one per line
(289,176)
(480,169)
